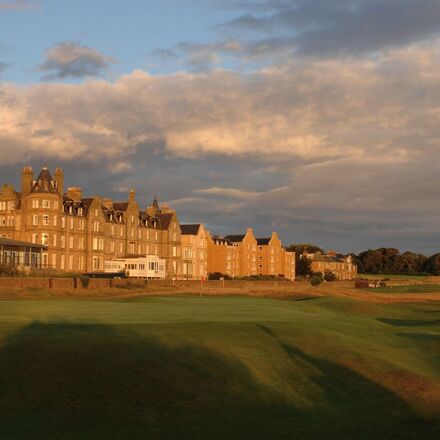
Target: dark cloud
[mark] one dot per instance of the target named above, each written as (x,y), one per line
(72,60)
(328,28)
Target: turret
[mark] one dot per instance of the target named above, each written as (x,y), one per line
(27,178)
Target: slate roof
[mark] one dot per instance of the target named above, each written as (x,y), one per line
(190,229)
(9,242)
(44,182)
(164,220)
(263,241)
(120,206)
(235,238)
(221,240)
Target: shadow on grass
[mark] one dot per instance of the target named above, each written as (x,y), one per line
(95,381)
(408,322)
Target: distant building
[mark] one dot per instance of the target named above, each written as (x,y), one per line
(81,233)
(273,259)
(194,252)
(245,255)
(341,266)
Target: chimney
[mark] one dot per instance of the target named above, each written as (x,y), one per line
(107,203)
(59,179)
(74,192)
(27,178)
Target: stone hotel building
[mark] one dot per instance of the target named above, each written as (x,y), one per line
(85,234)
(81,233)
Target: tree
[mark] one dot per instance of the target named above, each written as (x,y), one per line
(432,265)
(303,266)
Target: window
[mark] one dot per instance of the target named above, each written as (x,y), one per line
(81,262)
(121,248)
(54,261)
(96,213)
(63,222)
(55,204)
(45,204)
(81,225)
(71,223)
(112,246)
(174,251)
(11,205)
(95,226)
(132,218)
(63,241)
(35,204)
(45,220)
(54,239)
(113,230)
(45,239)
(70,242)
(35,220)
(70,262)
(95,263)
(81,243)
(34,238)
(54,220)
(62,262)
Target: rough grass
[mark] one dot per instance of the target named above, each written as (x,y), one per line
(416,288)
(214,367)
(373,276)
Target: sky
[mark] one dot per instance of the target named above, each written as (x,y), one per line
(319,119)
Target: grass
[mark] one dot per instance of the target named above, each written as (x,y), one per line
(226,368)
(370,276)
(417,288)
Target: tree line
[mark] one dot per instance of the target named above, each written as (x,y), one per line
(377,261)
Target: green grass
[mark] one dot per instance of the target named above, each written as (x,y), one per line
(416,288)
(218,368)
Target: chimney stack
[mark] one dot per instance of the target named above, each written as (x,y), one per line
(59,179)
(75,193)
(27,178)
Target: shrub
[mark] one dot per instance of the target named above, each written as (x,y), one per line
(84,281)
(218,275)
(8,270)
(315,281)
(329,276)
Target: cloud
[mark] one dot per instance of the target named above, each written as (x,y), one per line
(72,60)
(343,152)
(328,28)
(18,5)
